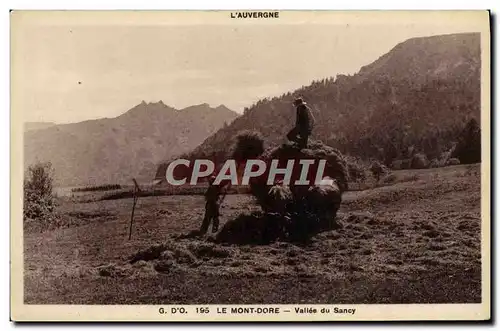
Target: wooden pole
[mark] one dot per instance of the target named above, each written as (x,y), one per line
(156,207)
(136,190)
(136,185)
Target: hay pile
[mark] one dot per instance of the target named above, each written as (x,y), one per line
(336,165)
(293,212)
(336,168)
(256,228)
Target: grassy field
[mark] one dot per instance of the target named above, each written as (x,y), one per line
(414,240)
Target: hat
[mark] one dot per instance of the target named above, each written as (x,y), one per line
(298,101)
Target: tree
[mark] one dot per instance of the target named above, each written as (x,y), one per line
(419,161)
(468,149)
(38,195)
(356,169)
(377,170)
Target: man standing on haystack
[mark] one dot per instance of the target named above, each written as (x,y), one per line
(304,123)
(214,196)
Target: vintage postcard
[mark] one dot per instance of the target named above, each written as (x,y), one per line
(250,165)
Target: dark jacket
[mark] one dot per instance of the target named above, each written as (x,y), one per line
(304,120)
(212,194)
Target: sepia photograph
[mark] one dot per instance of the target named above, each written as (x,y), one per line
(250,165)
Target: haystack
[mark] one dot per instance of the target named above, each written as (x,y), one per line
(290,211)
(336,165)
(335,168)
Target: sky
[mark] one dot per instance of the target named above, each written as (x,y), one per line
(74,72)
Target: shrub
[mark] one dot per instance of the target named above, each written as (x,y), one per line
(445,156)
(377,169)
(397,165)
(468,149)
(419,161)
(249,145)
(356,169)
(38,209)
(401,164)
(434,163)
(406,164)
(453,161)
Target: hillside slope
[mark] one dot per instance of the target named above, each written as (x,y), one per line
(416,97)
(113,150)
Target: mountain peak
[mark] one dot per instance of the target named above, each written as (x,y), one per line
(160,102)
(222,107)
(432,56)
(147,107)
(202,106)
(124,147)
(419,82)
(160,107)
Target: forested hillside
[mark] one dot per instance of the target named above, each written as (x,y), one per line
(417,98)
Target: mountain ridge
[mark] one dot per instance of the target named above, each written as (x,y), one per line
(417,96)
(113,150)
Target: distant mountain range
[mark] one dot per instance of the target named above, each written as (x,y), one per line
(417,98)
(114,150)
